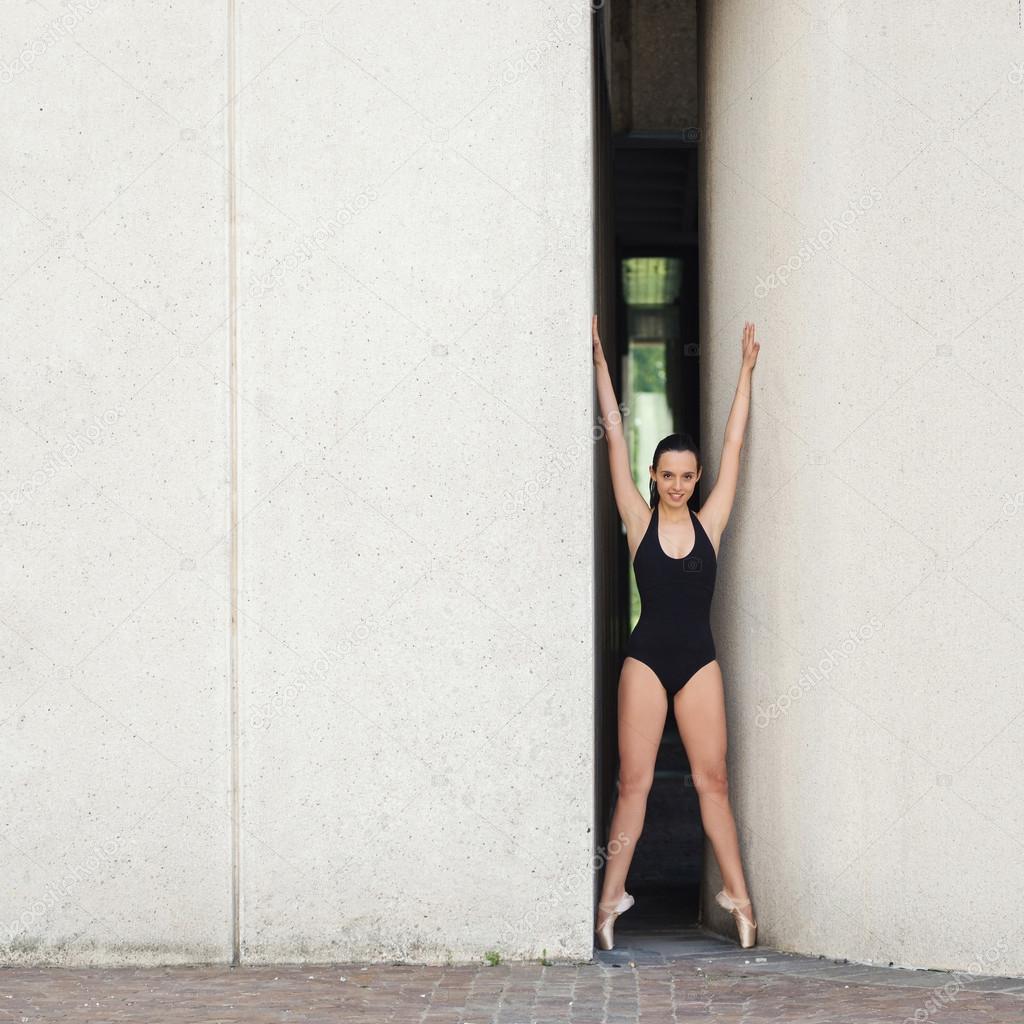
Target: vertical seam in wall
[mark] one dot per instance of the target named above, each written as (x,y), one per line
(235,796)
(596,656)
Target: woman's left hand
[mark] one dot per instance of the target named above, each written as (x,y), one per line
(750,346)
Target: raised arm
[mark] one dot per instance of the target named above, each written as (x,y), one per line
(633,507)
(714,513)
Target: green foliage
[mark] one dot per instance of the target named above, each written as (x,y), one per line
(647,364)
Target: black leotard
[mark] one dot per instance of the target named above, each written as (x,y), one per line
(673,634)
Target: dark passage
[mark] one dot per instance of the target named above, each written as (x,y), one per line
(647,159)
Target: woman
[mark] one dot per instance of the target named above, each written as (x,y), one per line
(671,653)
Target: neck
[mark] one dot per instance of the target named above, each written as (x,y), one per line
(673,515)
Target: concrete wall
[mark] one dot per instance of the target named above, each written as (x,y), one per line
(385,245)
(864,198)
(114,607)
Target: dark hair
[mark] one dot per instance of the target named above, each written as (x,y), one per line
(672,443)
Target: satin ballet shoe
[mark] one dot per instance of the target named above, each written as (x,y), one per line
(746,928)
(605,934)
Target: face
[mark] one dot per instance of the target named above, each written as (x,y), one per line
(676,477)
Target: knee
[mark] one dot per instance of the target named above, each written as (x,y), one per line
(711,780)
(635,785)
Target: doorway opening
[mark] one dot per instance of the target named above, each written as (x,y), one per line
(647,159)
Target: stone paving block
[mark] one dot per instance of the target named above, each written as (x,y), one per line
(721,984)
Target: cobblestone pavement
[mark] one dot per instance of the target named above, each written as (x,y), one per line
(657,977)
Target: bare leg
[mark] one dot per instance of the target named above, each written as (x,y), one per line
(643,704)
(700,715)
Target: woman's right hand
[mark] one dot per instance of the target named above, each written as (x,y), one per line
(596,338)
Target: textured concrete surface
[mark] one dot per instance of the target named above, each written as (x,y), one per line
(114,492)
(678,977)
(863,205)
(406,245)
(416,481)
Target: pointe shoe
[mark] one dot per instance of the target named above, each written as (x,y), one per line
(746,928)
(605,933)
